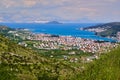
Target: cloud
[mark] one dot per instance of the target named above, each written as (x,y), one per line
(1,19)
(29,3)
(77,10)
(7,3)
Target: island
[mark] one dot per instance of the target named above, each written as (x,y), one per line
(53,22)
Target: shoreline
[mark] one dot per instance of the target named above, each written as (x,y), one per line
(88,37)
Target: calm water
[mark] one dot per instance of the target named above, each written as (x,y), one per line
(71,29)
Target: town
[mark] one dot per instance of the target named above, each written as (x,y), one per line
(52,42)
(47,41)
(69,47)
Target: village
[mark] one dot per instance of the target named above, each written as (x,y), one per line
(46,41)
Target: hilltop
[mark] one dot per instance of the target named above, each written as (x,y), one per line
(105,30)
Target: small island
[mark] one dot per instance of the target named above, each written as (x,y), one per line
(53,22)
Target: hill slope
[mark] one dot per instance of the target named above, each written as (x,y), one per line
(108,29)
(106,68)
(20,63)
(16,60)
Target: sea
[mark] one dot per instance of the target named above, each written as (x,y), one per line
(64,29)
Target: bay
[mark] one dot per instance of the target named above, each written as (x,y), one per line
(65,29)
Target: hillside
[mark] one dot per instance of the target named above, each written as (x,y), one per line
(13,34)
(20,63)
(108,29)
(4,29)
(106,68)
(16,60)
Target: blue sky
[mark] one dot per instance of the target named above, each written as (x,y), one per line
(83,11)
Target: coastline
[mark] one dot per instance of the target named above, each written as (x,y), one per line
(61,30)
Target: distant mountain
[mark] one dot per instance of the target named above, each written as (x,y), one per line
(108,29)
(53,22)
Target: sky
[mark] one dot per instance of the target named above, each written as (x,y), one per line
(82,11)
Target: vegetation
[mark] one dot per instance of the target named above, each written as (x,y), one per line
(111,29)
(106,68)
(21,63)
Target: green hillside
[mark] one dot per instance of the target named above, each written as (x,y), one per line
(20,63)
(16,60)
(106,68)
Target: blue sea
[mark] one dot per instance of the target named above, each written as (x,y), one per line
(66,29)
